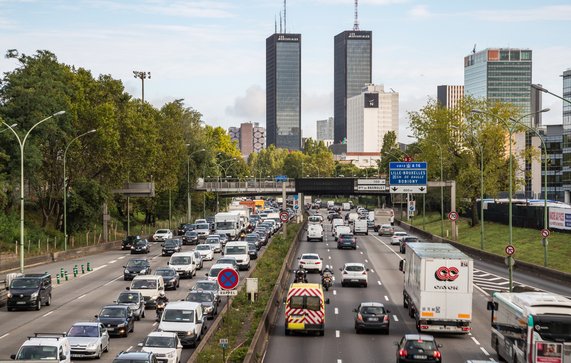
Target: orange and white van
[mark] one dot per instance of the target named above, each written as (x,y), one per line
(305,308)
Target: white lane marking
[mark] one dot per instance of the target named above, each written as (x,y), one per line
(387,246)
(154,258)
(128,349)
(99,267)
(81,297)
(386,298)
(48,313)
(328,250)
(155,323)
(366,261)
(481,290)
(337,333)
(329,257)
(336,311)
(395,318)
(112,261)
(373,271)
(115,279)
(476,341)
(5,335)
(485,351)
(334,292)
(120,258)
(378,282)
(339,361)
(361,252)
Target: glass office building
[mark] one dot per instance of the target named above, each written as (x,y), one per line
(566,173)
(283,91)
(352,72)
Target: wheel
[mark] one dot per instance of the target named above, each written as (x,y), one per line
(106,348)
(10,309)
(342,284)
(287,332)
(138,317)
(404,302)
(143,313)
(321,333)
(38,303)
(357,330)
(49,301)
(99,352)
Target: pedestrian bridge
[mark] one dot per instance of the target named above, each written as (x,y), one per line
(247,187)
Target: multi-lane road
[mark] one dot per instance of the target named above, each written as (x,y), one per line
(81,298)
(342,345)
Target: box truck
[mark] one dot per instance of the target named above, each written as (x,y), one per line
(438,285)
(227,223)
(383,216)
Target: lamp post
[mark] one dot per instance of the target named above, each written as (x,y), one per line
(8,128)
(540,88)
(219,166)
(511,129)
(188,196)
(65,236)
(22,143)
(142,75)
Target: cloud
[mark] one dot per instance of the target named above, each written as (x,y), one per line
(420,11)
(543,13)
(251,106)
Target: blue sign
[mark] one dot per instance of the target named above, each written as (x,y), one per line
(281,178)
(407,173)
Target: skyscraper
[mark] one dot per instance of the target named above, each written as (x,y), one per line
(566,175)
(325,129)
(249,137)
(283,90)
(448,96)
(352,71)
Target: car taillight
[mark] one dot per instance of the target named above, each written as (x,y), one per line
(364,272)
(437,354)
(317,263)
(345,273)
(403,353)
(359,317)
(386,318)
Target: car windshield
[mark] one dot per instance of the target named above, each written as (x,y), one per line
(203,285)
(252,247)
(83,331)
(162,231)
(136,263)
(31,352)
(202,226)
(373,310)
(310,257)
(203,247)
(178,315)
(171,242)
(354,268)
(229,261)
(130,360)
(144,284)
(224,225)
(420,344)
(199,297)
(165,272)
(180,260)
(214,271)
(251,238)
(235,250)
(160,342)
(25,284)
(112,313)
(191,234)
(128,297)
(140,243)
(210,240)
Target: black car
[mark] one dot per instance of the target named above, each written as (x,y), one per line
(265,233)
(407,239)
(190,238)
(254,238)
(136,266)
(170,246)
(139,357)
(29,291)
(118,319)
(418,348)
(129,241)
(170,277)
(347,241)
(182,228)
(134,300)
(207,300)
(252,251)
(372,316)
(141,246)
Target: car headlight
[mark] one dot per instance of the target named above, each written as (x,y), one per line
(132,247)
(126,271)
(143,271)
(190,334)
(34,295)
(122,325)
(92,346)
(170,354)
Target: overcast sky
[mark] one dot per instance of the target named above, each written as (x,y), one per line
(212,53)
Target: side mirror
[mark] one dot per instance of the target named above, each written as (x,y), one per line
(62,357)
(96,316)
(439,345)
(401,265)
(299,258)
(168,263)
(492,306)
(179,346)
(206,274)
(124,266)
(368,269)
(327,301)
(162,244)
(13,356)
(355,310)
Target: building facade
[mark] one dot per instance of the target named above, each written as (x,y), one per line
(566,167)
(283,91)
(449,96)
(325,130)
(249,137)
(370,115)
(553,138)
(352,71)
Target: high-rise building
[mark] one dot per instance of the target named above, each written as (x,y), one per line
(283,90)
(249,137)
(553,138)
(566,172)
(352,71)
(325,130)
(448,96)
(370,115)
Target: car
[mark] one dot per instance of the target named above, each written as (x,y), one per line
(418,348)
(198,259)
(135,267)
(43,347)
(253,238)
(229,260)
(386,230)
(200,221)
(29,291)
(186,319)
(139,357)
(223,239)
(118,319)
(182,228)
(252,251)
(190,238)
(208,285)
(129,241)
(170,277)
(207,299)
(205,251)
(150,286)
(372,316)
(214,241)
(215,270)
(347,240)
(88,340)
(264,235)
(203,230)
(165,345)
(140,246)
(134,300)
(310,262)
(354,273)
(170,246)
(162,234)
(395,239)
(407,239)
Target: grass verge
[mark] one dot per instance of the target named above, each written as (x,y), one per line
(240,323)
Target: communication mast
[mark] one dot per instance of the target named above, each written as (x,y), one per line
(285,20)
(356,24)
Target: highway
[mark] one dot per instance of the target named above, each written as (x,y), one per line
(79,299)
(342,345)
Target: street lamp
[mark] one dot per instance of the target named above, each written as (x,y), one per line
(540,88)
(65,237)
(511,129)
(188,196)
(219,166)
(22,143)
(142,75)
(8,128)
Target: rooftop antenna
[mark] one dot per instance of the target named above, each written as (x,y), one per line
(474,49)
(275,24)
(285,18)
(356,25)
(281,22)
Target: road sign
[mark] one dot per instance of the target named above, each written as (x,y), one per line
(411,206)
(371,181)
(411,175)
(407,158)
(510,250)
(421,189)
(296,206)
(228,279)
(227,292)
(545,233)
(364,188)
(509,261)
(453,216)
(284,216)
(281,178)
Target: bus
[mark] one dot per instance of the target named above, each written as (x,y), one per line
(531,327)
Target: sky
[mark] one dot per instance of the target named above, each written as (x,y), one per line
(212,53)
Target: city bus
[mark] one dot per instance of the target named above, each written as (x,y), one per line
(531,327)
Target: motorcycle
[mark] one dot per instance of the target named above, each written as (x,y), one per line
(159,309)
(327,280)
(300,276)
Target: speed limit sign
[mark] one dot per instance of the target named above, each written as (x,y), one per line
(453,216)
(545,233)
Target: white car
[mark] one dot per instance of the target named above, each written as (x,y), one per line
(88,340)
(205,251)
(354,274)
(214,241)
(200,221)
(162,234)
(202,230)
(165,345)
(215,270)
(311,262)
(397,235)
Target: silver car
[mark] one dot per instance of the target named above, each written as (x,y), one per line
(135,301)
(88,340)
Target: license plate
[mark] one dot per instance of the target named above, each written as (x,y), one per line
(20,302)
(420,356)
(373,319)
(354,280)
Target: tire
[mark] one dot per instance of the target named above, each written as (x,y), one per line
(321,333)
(38,303)
(365,285)
(357,330)
(99,353)
(49,300)
(10,309)
(287,332)
(342,284)
(143,313)
(404,302)
(106,347)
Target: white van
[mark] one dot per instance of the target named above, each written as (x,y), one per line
(184,263)
(45,346)
(334,223)
(315,219)
(238,250)
(149,286)
(346,206)
(360,226)
(314,231)
(339,230)
(186,319)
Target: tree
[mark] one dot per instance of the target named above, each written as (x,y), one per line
(293,164)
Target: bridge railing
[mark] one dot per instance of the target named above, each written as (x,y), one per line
(245,186)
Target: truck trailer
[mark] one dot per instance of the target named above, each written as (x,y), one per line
(438,286)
